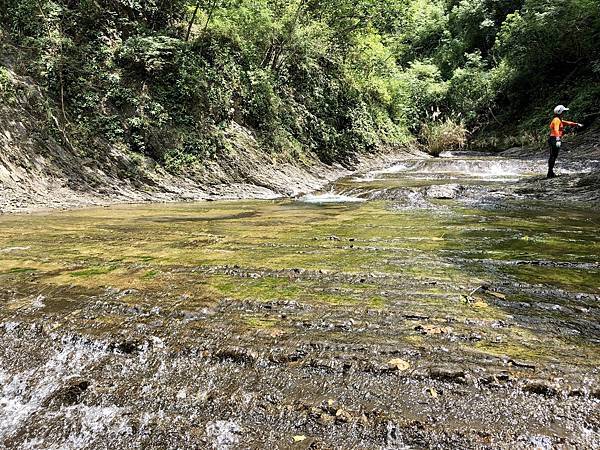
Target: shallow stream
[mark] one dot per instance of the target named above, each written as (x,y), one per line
(424,305)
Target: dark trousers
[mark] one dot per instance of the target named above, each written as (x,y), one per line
(553,154)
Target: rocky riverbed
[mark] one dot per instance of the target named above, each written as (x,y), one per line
(433,304)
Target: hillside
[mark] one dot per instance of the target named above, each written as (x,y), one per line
(127,101)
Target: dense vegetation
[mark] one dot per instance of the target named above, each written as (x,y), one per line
(168,78)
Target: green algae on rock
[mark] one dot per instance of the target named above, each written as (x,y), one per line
(273,307)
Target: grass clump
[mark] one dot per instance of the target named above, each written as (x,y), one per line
(444,135)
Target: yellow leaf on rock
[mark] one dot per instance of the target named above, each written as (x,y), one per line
(480,304)
(398,364)
(299,438)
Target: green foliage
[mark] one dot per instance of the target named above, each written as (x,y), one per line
(167,79)
(547,42)
(470,90)
(422,88)
(6,83)
(424,27)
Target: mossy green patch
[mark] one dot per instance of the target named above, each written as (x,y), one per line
(266,289)
(261,323)
(150,275)
(93,271)
(341,260)
(377,303)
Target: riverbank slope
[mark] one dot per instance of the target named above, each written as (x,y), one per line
(41,169)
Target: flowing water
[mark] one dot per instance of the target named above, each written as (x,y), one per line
(420,306)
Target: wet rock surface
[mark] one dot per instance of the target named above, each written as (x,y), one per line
(444,192)
(469,321)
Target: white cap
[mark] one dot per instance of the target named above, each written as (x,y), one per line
(560,109)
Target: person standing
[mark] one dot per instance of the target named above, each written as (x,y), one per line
(556,133)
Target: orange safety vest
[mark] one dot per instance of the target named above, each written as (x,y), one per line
(557,127)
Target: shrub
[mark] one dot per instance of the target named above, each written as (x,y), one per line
(444,135)
(423,88)
(469,89)
(7,88)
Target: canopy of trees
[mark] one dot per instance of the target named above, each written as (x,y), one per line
(167,78)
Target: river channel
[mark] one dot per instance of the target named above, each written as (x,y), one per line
(427,305)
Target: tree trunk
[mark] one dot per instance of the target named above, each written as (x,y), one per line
(192,20)
(211,11)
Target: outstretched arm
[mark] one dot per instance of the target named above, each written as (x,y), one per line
(572,124)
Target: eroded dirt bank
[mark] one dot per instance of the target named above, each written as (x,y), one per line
(37,173)
(428,305)
(41,168)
